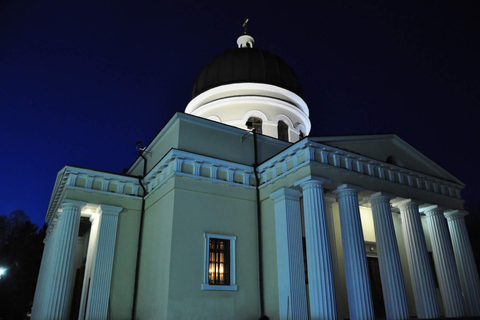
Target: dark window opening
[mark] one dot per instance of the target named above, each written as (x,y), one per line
(282,129)
(256,123)
(376,287)
(391,159)
(219,262)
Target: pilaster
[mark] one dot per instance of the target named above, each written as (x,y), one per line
(92,246)
(290,264)
(444,258)
(356,269)
(393,286)
(465,260)
(418,261)
(320,273)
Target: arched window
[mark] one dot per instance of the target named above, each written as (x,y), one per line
(255,123)
(282,130)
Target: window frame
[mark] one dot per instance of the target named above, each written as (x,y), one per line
(219,287)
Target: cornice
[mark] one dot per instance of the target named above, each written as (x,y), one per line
(200,167)
(74,178)
(395,140)
(187,164)
(307,152)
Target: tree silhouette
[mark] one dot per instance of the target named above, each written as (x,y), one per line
(21,248)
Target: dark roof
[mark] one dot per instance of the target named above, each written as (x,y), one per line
(246,65)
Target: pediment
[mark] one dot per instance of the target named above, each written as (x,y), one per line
(391,149)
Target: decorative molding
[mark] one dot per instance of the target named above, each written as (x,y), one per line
(306,151)
(182,163)
(74,178)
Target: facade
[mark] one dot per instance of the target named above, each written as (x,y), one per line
(217,221)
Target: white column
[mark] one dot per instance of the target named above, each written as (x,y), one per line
(356,269)
(99,292)
(290,265)
(60,282)
(465,260)
(393,286)
(447,273)
(418,261)
(42,280)
(320,273)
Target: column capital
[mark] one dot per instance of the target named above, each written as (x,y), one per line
(406,203)
(104,209)
(379,196)
(285,193)
(66,203)
(455,214)
(344,188)
(313,180)
(432,210)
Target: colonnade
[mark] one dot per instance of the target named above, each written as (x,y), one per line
(55,283)
(455,266)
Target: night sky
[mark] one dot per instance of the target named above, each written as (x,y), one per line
(81,81)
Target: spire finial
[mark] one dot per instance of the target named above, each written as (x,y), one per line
(245,26)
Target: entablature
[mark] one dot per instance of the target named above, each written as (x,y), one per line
(306,152)
(183,163)
(75,178)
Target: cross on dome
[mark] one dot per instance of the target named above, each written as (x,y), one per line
(245,40)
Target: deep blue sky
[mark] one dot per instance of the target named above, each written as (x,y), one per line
(81,81)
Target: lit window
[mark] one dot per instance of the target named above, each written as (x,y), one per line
(219,262)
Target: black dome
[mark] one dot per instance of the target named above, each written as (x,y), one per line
(246,65)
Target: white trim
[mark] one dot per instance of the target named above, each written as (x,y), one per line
(246,89)
(254,114)
(214,118)
(253,101)
(233,285)
(284,118)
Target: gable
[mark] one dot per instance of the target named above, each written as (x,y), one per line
(391,149)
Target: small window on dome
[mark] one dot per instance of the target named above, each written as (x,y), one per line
(391,159)
(282,130)
(255,123)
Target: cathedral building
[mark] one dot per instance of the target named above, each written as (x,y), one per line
(233,211)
